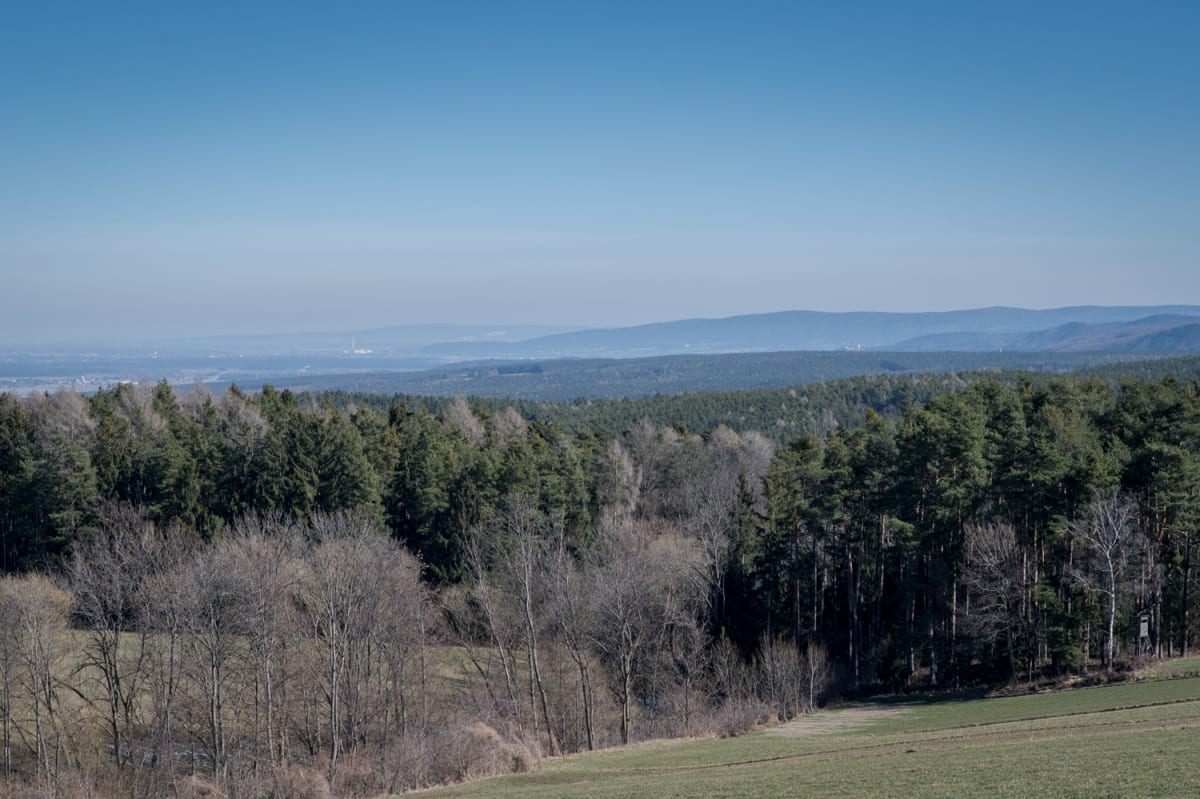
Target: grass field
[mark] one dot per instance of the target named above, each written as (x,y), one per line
(1128,740)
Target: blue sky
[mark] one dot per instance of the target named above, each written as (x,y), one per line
(188,168)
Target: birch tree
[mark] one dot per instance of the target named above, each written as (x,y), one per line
(1106,532)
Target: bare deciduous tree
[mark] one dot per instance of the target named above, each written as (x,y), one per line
(571,610)
(216,630)
(509,587)
(1106,532)
(480,613)
(34,613)
(348,597)
(108,572)
(618,483)
(640,585)
(164,610)
(789,677)
(994,582)
(522,559)
(458,417)
(265,553)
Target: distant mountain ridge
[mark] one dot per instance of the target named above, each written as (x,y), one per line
(1165,333)
(1072,329)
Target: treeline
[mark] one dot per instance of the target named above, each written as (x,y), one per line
(803,406)
(780,414)
(807,407)
(566,589)
(200,462)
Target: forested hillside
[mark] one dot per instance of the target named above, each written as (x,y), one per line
(258,582)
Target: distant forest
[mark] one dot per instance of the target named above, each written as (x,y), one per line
(568,379)
(811,407)
(607,571)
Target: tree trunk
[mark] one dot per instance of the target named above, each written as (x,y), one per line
(1185,621)
(270,691)
(7,724)
(626,697)
(334,694)
(535,673)
(1112,624)
(815,583)
(1087,645)
(852,580)
(216,708)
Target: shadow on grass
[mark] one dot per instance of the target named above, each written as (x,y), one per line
(924,698)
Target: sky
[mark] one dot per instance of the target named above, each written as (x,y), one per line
(191,168)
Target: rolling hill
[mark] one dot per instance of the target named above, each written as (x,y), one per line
(1164,333)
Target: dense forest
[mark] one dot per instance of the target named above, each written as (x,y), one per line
(262,590)
(796,409)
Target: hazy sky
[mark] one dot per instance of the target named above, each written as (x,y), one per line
(182,168)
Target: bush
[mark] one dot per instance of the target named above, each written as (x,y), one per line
(490,753)
(298,782)
(194,787)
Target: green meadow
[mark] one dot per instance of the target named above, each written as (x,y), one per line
(1138,739)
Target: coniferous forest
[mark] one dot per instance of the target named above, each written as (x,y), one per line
(271,593)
